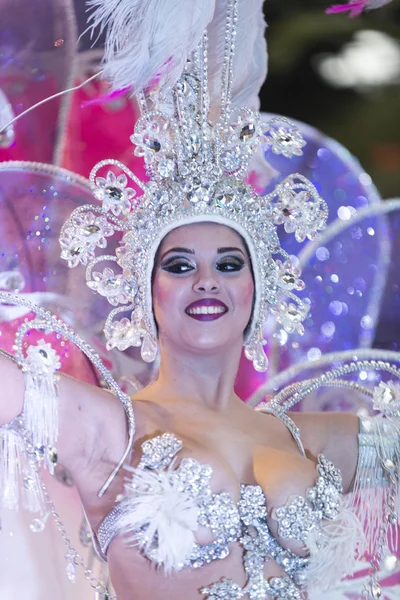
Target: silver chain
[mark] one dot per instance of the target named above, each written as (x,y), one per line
(73,555)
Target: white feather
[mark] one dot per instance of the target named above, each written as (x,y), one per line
(148,39)
(155,500)
(334,549)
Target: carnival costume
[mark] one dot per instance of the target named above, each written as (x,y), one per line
(198,142)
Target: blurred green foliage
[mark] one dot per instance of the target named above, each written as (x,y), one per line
(365,120)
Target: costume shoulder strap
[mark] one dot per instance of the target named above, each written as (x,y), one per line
(274,409)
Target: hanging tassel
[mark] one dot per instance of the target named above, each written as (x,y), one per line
(41,395)
(12,455)
(375,495)
(19,477)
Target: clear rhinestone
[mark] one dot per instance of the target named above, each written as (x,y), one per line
(199,194)
(37,525)
(166,167)
(7,137)
(114,192)
(193,143)
(152,144)
(376,590)
(76,251)
(226,200)
(39,452)
(149,349)
(53,455)
(28,482)
(247,132)
(230,160)
(90,229)
(71,572)
(288,278)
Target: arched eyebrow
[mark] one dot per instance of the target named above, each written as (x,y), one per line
(229,249)
(178,249)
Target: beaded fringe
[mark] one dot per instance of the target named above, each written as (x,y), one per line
(41,408)
(376,494)
(19,479)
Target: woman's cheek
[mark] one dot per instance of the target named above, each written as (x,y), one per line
(247,292)
(166,295)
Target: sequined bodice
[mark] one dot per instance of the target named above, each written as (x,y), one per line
(244,522)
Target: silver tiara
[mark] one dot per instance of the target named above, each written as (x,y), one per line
(197,173)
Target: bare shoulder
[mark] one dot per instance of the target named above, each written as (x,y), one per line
(331,434)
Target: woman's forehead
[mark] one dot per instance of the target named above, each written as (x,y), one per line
(208,235)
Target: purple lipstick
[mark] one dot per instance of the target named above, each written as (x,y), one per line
(208,309)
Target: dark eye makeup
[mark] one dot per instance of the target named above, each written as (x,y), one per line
(230,264)
(180,264)
(177,264)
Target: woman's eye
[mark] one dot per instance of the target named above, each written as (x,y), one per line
(177,266)
(230,264)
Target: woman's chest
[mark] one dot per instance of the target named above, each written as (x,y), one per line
(234,481)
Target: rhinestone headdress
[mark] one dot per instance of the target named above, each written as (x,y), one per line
(197,172)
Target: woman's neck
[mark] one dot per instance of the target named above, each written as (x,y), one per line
(203,379)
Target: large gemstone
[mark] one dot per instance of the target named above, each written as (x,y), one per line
(225,200)
(152,144)
(200,194)
(76,251)
(114,192)
(90,229)
(288,278)
(247,132)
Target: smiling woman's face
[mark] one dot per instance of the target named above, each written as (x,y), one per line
(202,287)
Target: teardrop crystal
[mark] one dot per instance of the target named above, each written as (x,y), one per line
(149,349)
(376,590)
(260,360)
(71,572)
(250,351)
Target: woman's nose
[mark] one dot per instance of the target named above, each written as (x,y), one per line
(207,281)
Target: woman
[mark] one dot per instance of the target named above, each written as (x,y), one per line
(192,398)
(225,502)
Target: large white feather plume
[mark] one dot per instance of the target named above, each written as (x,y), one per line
(154,500)
(148,41)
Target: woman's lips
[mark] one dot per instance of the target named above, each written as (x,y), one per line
(208,309)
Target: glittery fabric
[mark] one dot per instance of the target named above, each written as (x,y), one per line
(244,522)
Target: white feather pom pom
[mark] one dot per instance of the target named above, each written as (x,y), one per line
(148,39)
(334,548)
(161,516)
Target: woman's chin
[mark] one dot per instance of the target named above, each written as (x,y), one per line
(211,344)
